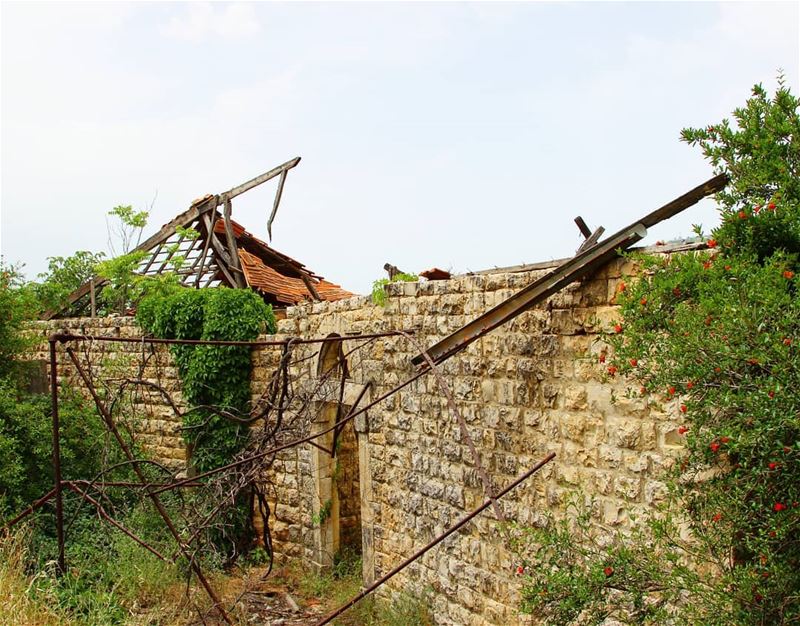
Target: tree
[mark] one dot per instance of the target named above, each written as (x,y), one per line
(712,336)
(64,275)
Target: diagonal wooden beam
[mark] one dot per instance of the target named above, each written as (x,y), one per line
(573,269)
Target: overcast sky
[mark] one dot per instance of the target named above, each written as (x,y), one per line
(457,135)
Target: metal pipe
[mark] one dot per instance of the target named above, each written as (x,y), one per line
(62,565)
(109,421)
(296,442)
(102,512)
(64,337)
(30,509)
(433,543)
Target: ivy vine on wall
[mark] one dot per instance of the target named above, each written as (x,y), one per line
(215,378)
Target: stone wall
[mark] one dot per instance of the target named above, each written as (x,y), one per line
(533,386)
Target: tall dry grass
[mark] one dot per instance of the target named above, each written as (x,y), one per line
(17,606)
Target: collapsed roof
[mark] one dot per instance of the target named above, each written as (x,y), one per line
(222,253)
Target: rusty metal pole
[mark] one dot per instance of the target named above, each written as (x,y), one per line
(464,520)
(62,566)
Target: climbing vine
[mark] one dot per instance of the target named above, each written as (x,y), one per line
(215,378)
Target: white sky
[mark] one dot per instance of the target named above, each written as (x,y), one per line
(457,135)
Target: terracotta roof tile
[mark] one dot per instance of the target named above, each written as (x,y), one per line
(260,274)
(286,290)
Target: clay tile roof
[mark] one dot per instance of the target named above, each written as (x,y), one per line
(265,269)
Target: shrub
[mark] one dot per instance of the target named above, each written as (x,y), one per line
(712,337)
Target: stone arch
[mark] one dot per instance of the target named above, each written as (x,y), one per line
(336,506)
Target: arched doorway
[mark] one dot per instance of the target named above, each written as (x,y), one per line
(336,509)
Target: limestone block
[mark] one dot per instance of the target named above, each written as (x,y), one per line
(625,433)
(575,397)
(628,487)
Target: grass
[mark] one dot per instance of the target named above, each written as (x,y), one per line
(332,589)
(16,604)
(112,581)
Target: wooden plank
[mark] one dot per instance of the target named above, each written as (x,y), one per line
(275,204)
(258,180)
(223,260)
(310,286)
(537,291)
(580,265)
(233,249)
(208,224)
(592,239)
(583,227)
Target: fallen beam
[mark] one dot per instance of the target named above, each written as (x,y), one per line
(580,265)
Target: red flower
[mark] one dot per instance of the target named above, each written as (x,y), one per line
(634,362)
(683,408)
(771,206)
(787,341)
(671,391)
(773,465)
(742,215)
(676,292)
(714,446)
(724,439)
(707,265)
(683,430)
(718,370)
(771,393)
(520,570)
(788,274)
(643,301)
(727,268)
(612,370)
(621,286)
(689,385)
(602,358)
(711,243)
(716,517)
(608,571)
(618,328)
(757,209)
(778,507)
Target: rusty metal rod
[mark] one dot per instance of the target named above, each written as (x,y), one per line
(136,485)
(64,337)
(102,512)
(433,543)
(297,442)
(109,421)
(30,509)
(62,565)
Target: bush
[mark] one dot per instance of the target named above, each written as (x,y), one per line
(713,337)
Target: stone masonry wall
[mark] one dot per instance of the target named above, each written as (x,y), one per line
(533,386)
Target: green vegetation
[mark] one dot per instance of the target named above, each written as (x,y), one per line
(712,337)
(378,291)
(213,376)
